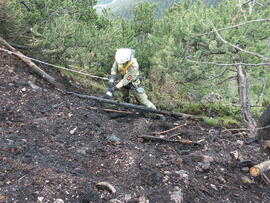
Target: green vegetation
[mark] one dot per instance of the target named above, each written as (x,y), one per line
(180,54)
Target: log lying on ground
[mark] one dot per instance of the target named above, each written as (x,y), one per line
(260,169)
(139,107)
(36,69)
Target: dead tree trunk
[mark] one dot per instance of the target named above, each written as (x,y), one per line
(32,65)
(244,99)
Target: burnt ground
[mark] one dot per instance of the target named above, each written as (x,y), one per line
(57,148)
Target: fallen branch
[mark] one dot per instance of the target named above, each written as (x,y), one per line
(260,169)
(38,70)
(113,110)
(170,130)
(139,107)
(155,138)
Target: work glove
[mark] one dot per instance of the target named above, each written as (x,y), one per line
(109,93)
(112,81)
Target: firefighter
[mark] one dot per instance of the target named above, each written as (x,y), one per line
(126,68)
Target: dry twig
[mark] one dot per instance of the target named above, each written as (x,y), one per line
(170,130)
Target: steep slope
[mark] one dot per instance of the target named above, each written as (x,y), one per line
(56,148)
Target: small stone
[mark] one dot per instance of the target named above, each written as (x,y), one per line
(221,179)
(142,200)
(176,195)
(245,169)
(235,155)
(127,197)
(40,199)
(207,159)
(23,89)
(113,138)
(203,167)
(58,201)
(182,173)
(73,130)
(213,187)
(239,143)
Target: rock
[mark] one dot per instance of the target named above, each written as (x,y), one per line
(264,120)
(177,195)
(127,197)
(203,167)
(221,179)
(239,143)
(40,199)
(142,200)
(207,159)
(113,138)
(182,173)
(73,130)
(213,187)
(234,155)
(34,86)
(266,144)
(245,169)
(211,98)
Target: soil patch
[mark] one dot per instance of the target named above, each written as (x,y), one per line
(56,148)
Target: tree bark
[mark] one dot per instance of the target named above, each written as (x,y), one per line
(244,99)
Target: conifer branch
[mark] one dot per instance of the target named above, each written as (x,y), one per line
(238,25)
(237,47)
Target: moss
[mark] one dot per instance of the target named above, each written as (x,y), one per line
(211,121)
(225,121)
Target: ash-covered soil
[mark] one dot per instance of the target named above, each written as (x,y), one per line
(58,148)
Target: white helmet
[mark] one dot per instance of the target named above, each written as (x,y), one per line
(123,55)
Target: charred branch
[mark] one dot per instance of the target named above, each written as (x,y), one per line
(139,107)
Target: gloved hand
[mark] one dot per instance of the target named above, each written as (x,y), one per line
(112,81)
(109,92)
